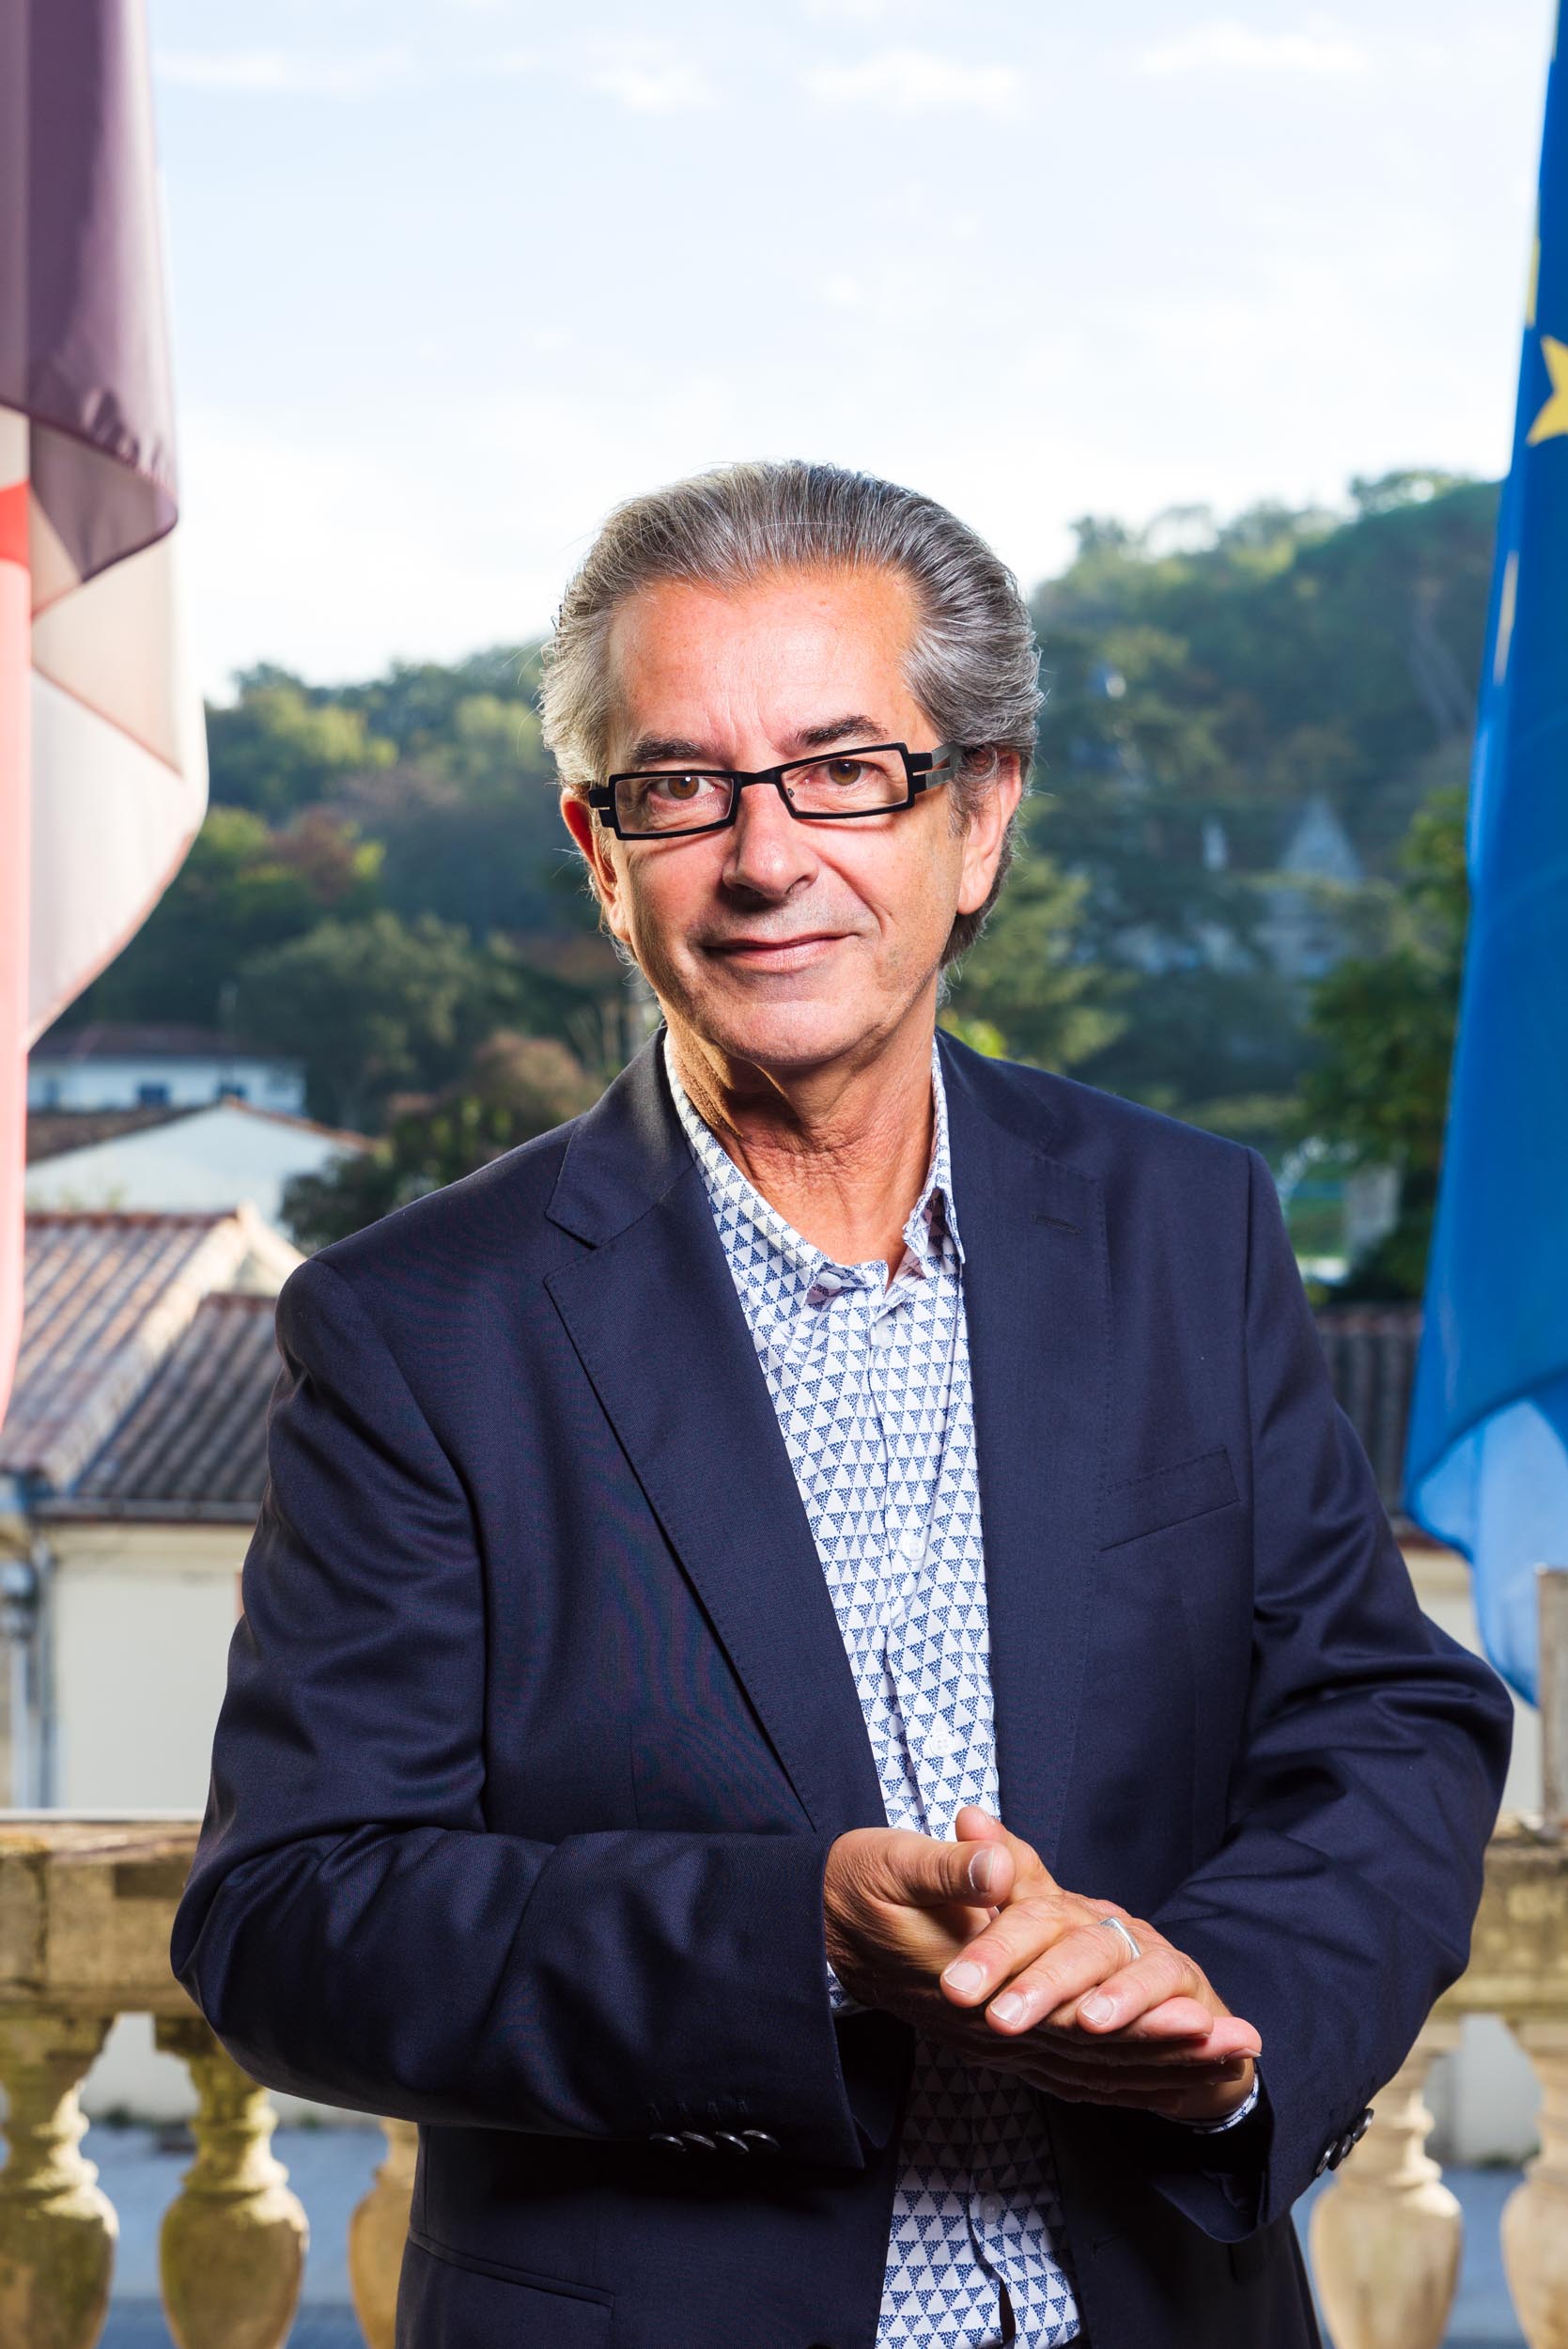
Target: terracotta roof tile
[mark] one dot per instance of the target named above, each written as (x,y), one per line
(195,1442)
(52,1132)
(106,1295)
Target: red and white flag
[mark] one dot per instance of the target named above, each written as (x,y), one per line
(103,759)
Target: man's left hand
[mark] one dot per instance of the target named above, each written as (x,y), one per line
(1150,2031)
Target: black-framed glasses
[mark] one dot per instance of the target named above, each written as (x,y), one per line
(834,787)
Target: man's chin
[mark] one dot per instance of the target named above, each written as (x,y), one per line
(781,1036)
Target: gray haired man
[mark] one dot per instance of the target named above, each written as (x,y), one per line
(819,1659)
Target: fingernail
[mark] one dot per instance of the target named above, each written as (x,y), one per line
(963,1975)
(983,1868)
(1010,2008)
(1098,2009)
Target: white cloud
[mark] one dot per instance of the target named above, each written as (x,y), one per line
(916,81)
(1226,45)
(276,71)
(644,88)
(844,293)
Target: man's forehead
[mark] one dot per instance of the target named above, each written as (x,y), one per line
(809,645)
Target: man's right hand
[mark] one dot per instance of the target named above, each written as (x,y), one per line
(898,1906)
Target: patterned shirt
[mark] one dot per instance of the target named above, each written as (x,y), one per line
(871,1384)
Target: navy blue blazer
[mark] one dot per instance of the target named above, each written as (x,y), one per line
(539,1726)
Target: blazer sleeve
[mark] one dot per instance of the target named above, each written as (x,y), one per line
(1340,1904)
(352,1928)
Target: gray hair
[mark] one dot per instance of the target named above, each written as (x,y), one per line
(973,665)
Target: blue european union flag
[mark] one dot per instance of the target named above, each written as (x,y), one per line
(1487,1465)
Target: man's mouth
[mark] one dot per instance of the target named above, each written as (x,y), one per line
(781,952)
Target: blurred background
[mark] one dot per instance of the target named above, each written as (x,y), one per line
(1209,321)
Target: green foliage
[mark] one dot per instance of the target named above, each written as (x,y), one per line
(515,1087)
(1204,683)
(283,745)
(380,1006)
(241,891)
(1385,1022)
(1023,989)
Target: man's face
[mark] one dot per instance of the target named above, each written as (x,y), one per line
(781,944)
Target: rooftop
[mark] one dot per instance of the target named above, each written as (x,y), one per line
(52,1134)
(194,1444)
(108,1296)
(129,1040)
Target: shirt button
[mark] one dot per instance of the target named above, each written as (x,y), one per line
(880,1333)
(990,2208)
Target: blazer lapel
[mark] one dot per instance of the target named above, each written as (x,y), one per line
(652,1312)
(1036,1291)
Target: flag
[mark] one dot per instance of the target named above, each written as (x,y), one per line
(103,763)
(1487,1465)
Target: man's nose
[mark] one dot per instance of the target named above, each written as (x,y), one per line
(769,850)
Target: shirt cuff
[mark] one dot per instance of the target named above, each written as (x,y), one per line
(1212,2128)
(838,1997)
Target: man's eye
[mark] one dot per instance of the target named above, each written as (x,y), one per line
(681,786)
(845,771)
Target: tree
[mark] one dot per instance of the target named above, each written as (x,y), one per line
(242,890)
(515,1086)
(382,1007)
(1385,1023)
(283,745)
(1024,989)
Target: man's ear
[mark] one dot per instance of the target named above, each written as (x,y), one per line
(986,828)
(593,842)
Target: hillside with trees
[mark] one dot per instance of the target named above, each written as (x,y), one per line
(382,888)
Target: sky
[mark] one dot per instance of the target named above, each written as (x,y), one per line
(450,277)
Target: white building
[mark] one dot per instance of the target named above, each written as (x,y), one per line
(205,1156)
(111,1064)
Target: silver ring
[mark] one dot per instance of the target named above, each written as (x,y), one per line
(1114,1924)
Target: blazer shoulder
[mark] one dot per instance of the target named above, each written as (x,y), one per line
(1100,1132)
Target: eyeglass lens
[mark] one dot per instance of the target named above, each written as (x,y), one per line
(841,783)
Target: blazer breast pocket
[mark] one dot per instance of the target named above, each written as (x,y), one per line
(1168,1496)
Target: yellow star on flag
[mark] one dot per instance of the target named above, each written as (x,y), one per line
(1553,418)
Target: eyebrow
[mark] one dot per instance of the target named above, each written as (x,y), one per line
(651,749)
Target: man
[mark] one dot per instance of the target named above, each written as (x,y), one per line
(824,1697)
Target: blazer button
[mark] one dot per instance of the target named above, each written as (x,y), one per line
(695,2136)
(1323,2162)
(1361,2126)
(659,2138)
(731,2143)
(760,2140)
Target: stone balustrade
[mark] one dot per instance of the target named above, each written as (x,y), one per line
(1386,2235)
(86,1911)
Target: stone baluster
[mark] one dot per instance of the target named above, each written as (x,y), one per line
(377,2233)
(231,2253)
(1535,2217)
(58,2231)
(1386,2232)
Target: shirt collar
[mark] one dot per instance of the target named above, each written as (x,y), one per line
(932,1213)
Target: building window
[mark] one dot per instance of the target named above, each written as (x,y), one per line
(231,1092)
(152,1096)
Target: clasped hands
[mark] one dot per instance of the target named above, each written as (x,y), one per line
(974,1943)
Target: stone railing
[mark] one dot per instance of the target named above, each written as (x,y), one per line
(1386,2235)
(85,1909)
